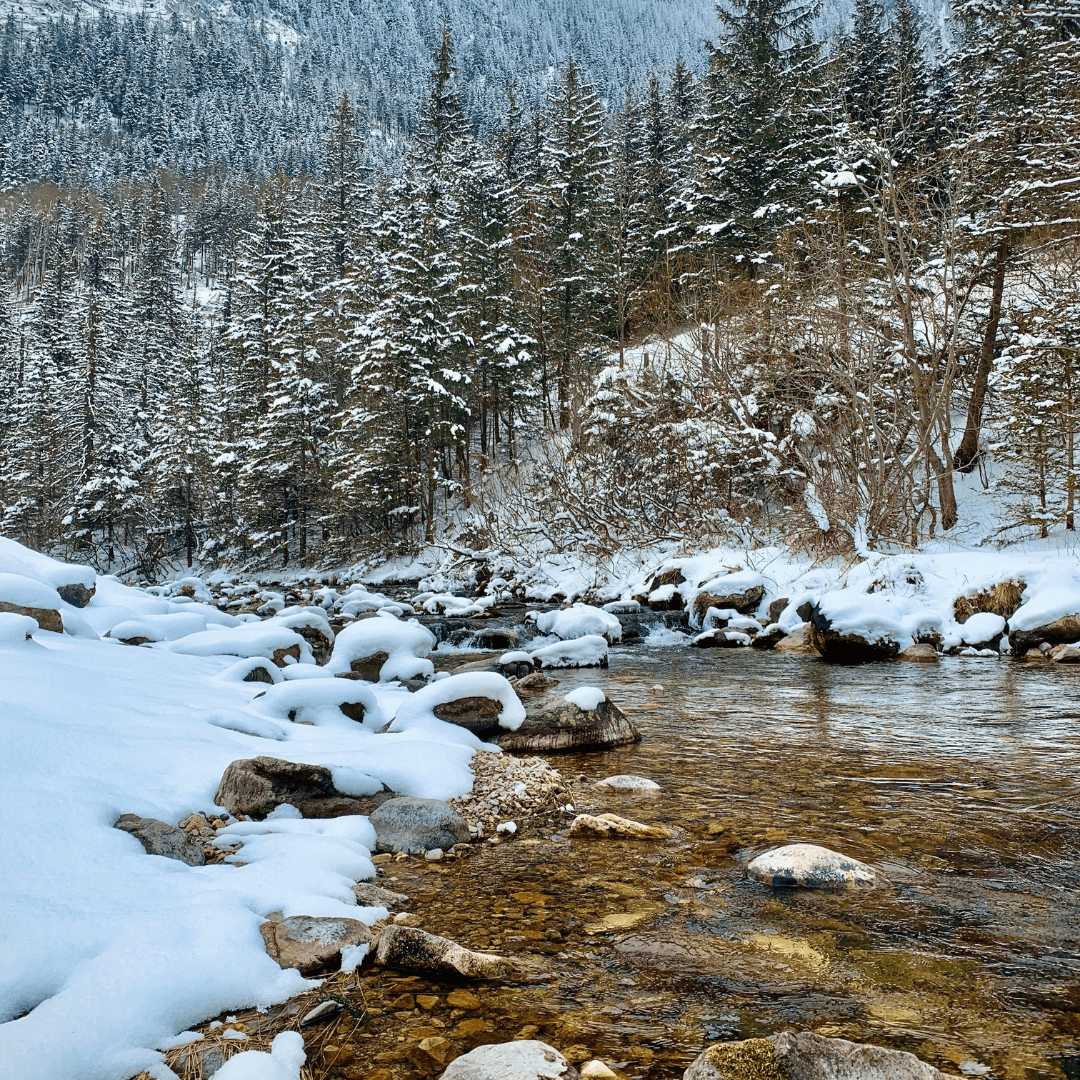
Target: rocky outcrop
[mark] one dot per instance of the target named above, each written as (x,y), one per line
(807,1056)
(312,945)
(524,1059)
(612,826)
(46,618)
(744,602)
(416,950)
(1063,631)
(809,866)
(837,647)
(160,838)
(255,786)
(418,825)
(562,725)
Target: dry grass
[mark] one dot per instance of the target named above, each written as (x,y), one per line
(1003,599)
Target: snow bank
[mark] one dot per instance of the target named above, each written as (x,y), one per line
(578,621)
(878,617)
(319,701)
(484,684)
(249,639)
(590,651)
(28,592)
(16,559)
(406,645)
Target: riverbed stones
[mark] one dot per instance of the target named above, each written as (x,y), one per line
(919,654)
(160,838)
(806,1055)
(628,782)
(312,945)
(557,724)
(523,1059)
(256,786)
(1063,631)
(414,949)
(417,826)
(507,786)
(611,826)
(809,866)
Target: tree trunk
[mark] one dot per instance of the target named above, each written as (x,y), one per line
(968,451)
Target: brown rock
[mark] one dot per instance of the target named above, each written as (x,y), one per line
(472,1027)
(476,714)
(777,608)
(462,999)
(309,944)
(369,667)
(372,896)
(1063,631)
(280,654)
(919,654)
(255,786)
(321,645)
(797,641)
(431,1054)
(414,949)
(745,603)
(535,683)
(560,725)
(1064,654)
(77,595)
(47,618)
(427,1002)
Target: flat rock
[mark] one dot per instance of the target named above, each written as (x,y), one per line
(561,725)
(525,1059)
(615,827)
(626,782)
(416,826)
(416,950)
(369,895)
(312,945)
(811,867)
(255,786)
(919,654)
(807,1056)
(160,838)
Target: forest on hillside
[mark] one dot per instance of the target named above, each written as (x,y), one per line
(798,293)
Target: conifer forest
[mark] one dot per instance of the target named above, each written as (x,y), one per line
(251,310)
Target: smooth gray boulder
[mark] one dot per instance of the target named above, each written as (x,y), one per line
(160,838)
(809,866)
(629,782)
(807,1056)
(416,950)
(526,1059)
(309,944)
(418,825)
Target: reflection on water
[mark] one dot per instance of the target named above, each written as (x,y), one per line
(960,781)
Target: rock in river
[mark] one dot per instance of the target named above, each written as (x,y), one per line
(416,826)
(526,1059)
(611,825)
(919,654)
(558,724)
(807,1056)
(309,944)
(811,867)
(624,782)
(160,838)
(416,950)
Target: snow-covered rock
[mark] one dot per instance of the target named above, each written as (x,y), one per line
(312,945)
(590,651)
(983,630)
(579,621)
(562,724)
(383,648)
(742,591)
(810,866)
(16,630)
(328,702)
(75,584)
(258,786)
(850,627)
(476,700)
(277,643)
(22,595)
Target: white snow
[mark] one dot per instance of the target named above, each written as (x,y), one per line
(485,684)
(15,629)
(282,1063)
(878,617)
(981,627)
(406,644)
(586,698)
(16,559)
(588,651)
(27,592)
(318,702)
(249,639)
(578,621)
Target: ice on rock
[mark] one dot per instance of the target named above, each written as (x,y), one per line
(586,698)
(284,1062)
(405,645)
(581,620)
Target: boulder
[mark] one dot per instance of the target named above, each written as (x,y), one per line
(615,827)
(160,838)
(368,895)
(625,782)
(366,667)
(721,639)
(770,637)
(503,640)
(777,608)
(837,647)
(1063,631)
(744,602)
(255,786)
(809,866)
(535,682)
(477,714)
(312,945)
(1064,654)
(416,826)
(292,651)
(77,594)
(919,654)
(561,725)
(525,1059)
(321,644)
(797,641)
(416,950)
(46,618)
(807,1056)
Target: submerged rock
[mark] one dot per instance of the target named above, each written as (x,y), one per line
(625,782)
(416,826)
(611,825)
(160,838)
(525,1059)
(309,944)
(807,1056)
(417,950)
(562,725)
(811,867)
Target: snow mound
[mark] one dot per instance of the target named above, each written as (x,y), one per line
(15,629)
(284,1061)
(28,592)
(470,684)
(586,698)
(406,645)
(169,627)
(320,701)
(239,672)
(248,639)
(879,617)
(983,626)
(16,559)
(590,651)
(581,620)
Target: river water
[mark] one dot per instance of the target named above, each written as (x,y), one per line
(959,781)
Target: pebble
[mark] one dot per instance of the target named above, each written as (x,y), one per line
(434,855)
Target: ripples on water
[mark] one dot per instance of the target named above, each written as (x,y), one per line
(960,781)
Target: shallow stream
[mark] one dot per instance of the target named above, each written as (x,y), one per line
(959,781)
